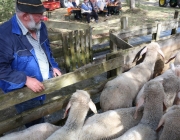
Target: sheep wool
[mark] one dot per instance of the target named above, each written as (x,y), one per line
(36,132)
(121,91)
(80,103)
(171,122)
(153,110)
(110,124)
(171,85)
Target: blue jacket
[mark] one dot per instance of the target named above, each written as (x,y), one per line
(86,7)
(17,57)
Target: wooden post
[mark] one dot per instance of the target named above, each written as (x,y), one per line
(72,55)
(77,49)
(87,45)
(90,44)
(65,47)
(176,16)
(113,46)
(124,22)
(82,45)
(155,36)
(118,70)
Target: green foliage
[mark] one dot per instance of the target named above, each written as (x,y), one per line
(7,9)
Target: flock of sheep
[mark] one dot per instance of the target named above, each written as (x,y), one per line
(156,115)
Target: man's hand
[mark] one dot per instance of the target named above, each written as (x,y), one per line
(56,72)
(34,84)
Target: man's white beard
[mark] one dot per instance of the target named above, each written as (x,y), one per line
(32,25)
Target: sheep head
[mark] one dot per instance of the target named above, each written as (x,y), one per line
(171,112)
(141,100)
(80,97)
(152,45)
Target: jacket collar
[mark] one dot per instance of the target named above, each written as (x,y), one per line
(15,27)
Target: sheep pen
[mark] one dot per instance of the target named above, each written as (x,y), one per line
(95,74)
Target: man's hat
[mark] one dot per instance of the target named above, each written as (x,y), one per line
(30,6)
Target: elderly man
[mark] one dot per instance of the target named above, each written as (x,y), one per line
(25,55)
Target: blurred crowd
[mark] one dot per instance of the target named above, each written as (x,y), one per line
(92,8)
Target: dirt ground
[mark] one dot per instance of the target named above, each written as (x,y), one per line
(146,12)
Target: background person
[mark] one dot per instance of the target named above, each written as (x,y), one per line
(76,12)
(74,3)
(95,9)
(25,55)
(118,6)
(86,9)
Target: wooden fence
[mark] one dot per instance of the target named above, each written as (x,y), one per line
(117,61)
(71,48)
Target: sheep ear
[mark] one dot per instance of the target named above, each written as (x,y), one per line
(171,58)
(161,122)
(143,51)
(177,99)
(92,106)
(164,106)
(67,108)
(138,105)
(177,70)
(160,52)
(137,57)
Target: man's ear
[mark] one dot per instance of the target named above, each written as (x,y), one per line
(25,16)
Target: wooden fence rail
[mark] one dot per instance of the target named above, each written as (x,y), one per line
(116,60)
(76,47)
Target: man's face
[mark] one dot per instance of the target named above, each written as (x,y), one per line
(35,21)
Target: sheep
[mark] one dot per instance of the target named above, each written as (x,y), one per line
(175,56)
(80,103)
(36,132)
(171,121)
(153,111)
(121,91)
(171,86)
(110,124)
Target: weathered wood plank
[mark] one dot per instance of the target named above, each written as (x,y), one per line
(176,16)
(90,45)
(43,110)
(57,83)
(54,36)
(104,30)
(77,49)
(146,29)
(101,39)
(66,52)
(82,45)
(33,114)
(57,30)
(107,22)
(121,44)
(87,46)
(65,25)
